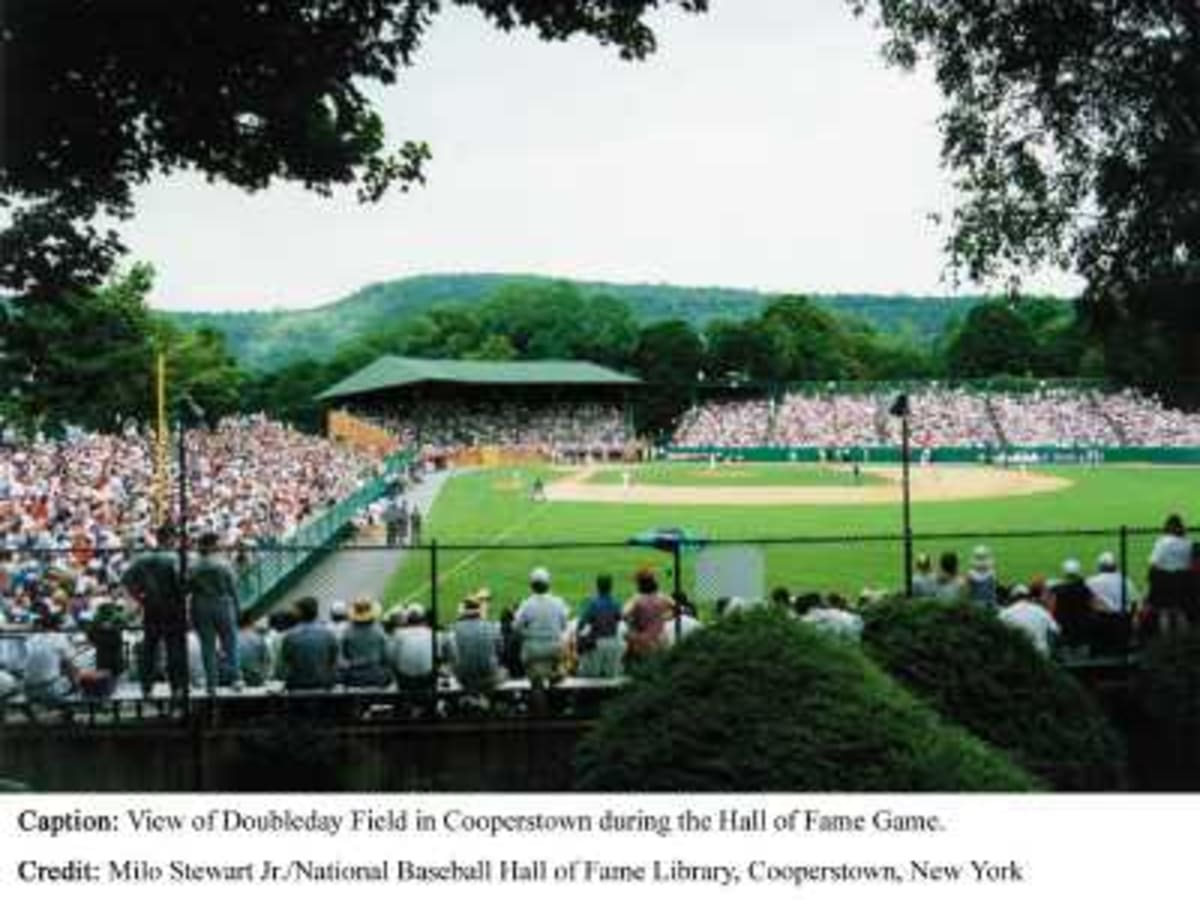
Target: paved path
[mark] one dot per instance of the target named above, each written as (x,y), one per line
(349,572)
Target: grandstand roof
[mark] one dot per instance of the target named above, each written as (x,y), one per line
(400,371)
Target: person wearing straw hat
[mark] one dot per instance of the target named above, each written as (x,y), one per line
(475,645)
(364,647)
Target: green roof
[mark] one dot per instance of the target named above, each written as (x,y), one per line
(400,371)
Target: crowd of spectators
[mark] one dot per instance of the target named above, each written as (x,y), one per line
(73,510)
(554,429)
(941,417)
(355,646)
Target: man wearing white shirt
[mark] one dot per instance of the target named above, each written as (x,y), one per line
(1107,584)
(1171,581)
(542,623)
(1030,618)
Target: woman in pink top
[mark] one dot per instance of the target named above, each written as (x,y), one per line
(646,614)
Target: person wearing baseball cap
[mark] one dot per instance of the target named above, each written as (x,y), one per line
(1073,605)
(542,624)
(1106,585)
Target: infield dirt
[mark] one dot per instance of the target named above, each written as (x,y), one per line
(928,483)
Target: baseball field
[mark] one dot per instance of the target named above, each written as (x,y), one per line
(484,519)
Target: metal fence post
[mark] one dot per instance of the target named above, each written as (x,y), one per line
(677,554)
(433,626)
(1124,551)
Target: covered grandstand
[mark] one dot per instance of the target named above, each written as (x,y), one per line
(481,408)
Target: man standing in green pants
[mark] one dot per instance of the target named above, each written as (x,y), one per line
(212,587)
(152,579)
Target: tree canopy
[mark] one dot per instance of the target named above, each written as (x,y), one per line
(87,358)
(244,91)
(1073,128)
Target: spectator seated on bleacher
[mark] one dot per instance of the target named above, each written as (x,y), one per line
(1074,606)
(51,676)
(412,648)
(1109,583)
(254,652)
(981,579)
(364,648)
(924,584)
(475,645)
(830,615)
(542,623)
(1029,615)
(308,654)
(646,614)
(684,619)
(106,633)
(949,586)
(600,633)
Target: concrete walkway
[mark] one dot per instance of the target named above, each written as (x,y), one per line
(362,565)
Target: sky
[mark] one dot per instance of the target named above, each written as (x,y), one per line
(765,145)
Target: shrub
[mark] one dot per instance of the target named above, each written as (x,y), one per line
(988,677)
(763,703)
(1168,692)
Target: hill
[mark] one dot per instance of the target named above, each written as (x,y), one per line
(265,340)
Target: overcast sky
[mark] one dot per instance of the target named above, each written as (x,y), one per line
(764,146)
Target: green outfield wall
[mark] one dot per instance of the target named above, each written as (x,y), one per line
(1035,455)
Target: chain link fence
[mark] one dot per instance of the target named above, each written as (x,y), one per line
(102,630)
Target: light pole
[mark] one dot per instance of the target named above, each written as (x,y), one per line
(900,409)
(189,413)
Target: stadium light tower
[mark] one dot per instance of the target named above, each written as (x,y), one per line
(900,409)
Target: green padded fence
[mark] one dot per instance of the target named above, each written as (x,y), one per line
(272,572)
(1036,454)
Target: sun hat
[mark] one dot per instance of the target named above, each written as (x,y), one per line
(364,610)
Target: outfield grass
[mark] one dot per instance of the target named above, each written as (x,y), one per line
(492,508)
(683,474)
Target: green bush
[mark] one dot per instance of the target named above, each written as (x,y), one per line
(987,677)
(1168,692)
(763,703)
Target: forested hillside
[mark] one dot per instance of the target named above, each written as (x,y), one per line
(266,340)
